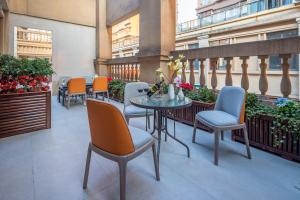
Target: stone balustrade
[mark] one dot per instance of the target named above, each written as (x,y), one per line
(284,48)
(126,69)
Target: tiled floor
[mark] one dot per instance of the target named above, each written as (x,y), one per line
(49,165)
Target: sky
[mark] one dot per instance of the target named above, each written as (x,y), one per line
(186,10)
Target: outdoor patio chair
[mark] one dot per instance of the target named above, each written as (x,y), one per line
(228,115)
(113,139)
(130,111)
(100,86)
(76,87)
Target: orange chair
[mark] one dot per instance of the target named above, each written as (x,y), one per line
(112,138)
(76,87)
(100,85)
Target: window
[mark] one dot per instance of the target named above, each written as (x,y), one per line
(193,46)
(273,3)
(275,61)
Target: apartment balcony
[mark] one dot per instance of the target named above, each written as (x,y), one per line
(231,13)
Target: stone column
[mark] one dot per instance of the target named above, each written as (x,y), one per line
(103,39)
(298,21)
(157,36)
(4,27)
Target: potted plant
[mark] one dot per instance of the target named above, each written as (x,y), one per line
(274,128)
(25,97)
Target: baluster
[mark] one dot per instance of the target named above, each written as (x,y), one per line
(214,79)
(286,85)
(245,79)
(138,72)
(127,72)
(122,72)
(228,79)
(119,71)
(135,72)
(113,72)
(202,73)
(183,75)
(192,73)
(263,80)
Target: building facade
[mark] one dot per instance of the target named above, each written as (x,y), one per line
(234,21)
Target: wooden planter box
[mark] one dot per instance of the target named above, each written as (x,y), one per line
(23,113)
(259,130)
(187,115)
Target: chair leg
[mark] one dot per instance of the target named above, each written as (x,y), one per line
(155,162)
(222,135)
(127,119)
(216,149)
(87,167)
(194,131)
(247,141)
(84,99)
(122,169)
(107,94)
(149,124)
(69,99)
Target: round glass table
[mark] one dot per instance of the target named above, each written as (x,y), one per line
(161,105)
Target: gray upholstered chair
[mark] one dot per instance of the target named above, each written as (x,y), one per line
(113,139)
(136,89)
(228,115)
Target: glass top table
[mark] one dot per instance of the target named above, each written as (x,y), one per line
(161,105)
(160,102)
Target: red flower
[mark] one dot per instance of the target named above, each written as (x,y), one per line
(186,86)
(21,91)
(45,89)
(109,79)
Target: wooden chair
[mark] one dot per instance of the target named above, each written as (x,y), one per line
(76,87)
(100,86)
(113,139)
(228,115)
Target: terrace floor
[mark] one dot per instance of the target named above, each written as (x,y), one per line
(49,165)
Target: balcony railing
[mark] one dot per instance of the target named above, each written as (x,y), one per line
(126,69)
(126,43)
(231,13)
(284,48)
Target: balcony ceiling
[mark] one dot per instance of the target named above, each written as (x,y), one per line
(118,10)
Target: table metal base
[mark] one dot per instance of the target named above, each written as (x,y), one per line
(161,125)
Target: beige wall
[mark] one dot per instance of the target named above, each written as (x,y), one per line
(73,45)
(73,11)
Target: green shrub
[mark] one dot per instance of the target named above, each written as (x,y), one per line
(203,94)
(116,88)
(285,114)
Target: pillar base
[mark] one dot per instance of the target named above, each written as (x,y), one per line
(149,65)
(100,67)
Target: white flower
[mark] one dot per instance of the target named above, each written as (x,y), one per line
(20,86)
(177,81)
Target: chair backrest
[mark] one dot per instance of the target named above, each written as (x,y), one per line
(132,90)
(88,79)
(232,101)
(63,79)
(77,86)
(100,84)
(108,128)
